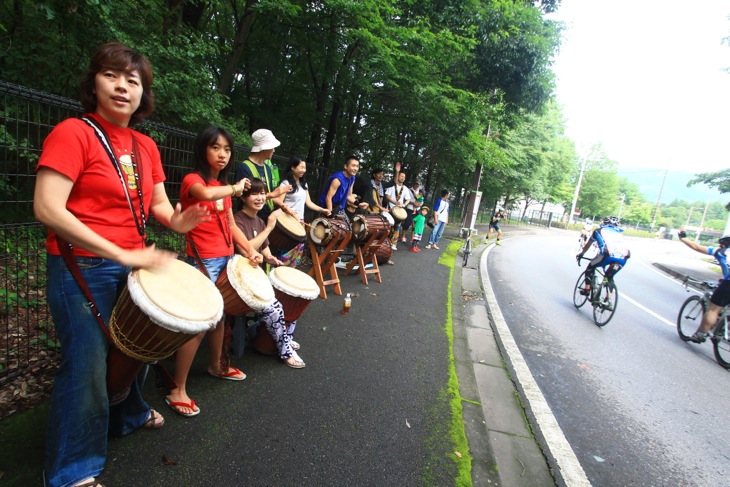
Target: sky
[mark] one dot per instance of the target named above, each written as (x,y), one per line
(646,80)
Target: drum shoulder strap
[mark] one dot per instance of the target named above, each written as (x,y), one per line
(73,266)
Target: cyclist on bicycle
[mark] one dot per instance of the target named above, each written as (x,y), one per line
(611,250)
(721,296)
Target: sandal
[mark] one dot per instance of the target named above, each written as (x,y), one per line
(232,374)
(176,405)
(153,422)
(298,363)
(294,345)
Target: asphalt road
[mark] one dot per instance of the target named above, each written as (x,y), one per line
(637,405)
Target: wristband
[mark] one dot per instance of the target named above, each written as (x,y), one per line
(233,189)
(682,234)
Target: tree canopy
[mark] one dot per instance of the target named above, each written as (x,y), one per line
(387,80)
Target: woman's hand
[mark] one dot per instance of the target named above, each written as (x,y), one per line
(184,221)
(281,190)
(146,258)
(273,260)
(256,259)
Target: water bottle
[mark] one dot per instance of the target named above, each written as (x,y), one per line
(346,305)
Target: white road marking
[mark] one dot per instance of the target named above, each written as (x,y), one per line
(646,310)
(568,466)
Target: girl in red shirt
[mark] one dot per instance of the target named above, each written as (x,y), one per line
(210,244)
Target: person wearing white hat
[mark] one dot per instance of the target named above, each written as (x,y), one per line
(259,165)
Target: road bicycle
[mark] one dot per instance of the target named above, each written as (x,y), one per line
(603,294)
(690,316)
(466,234)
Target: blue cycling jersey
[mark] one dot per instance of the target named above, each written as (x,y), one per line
(719,254)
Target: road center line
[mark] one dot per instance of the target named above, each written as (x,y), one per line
(560,451)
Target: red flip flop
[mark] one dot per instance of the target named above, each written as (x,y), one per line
(230,375)
(178,404)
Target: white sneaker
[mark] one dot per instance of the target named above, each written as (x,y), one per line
(394,247)
(427,246)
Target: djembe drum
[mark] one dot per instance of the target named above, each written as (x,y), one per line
(244,287)
(384,251)
(399,214)
(287,234)
(295,290)
(158,311)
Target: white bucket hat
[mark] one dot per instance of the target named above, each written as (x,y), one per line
(263,139)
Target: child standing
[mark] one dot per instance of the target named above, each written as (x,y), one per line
(419,222)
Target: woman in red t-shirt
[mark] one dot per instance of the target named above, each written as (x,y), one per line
(210,244)
(97,198)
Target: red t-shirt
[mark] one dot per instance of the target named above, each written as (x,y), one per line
(212,238)
(97,198)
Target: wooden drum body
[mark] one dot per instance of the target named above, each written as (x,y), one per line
(244,288)
(365,226)
(325,230)
(384,252)
(156,314)
(288,233)
(294,289)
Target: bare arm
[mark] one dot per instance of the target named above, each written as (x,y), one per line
(211,193)
(52,190)
(334,185)
(175,219)
(315,207)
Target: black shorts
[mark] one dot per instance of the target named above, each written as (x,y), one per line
(494,225)
(721,296)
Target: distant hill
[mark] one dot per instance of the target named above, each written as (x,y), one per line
(649,182)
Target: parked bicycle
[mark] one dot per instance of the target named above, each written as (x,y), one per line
(466,234)
(603,293)
(690,317)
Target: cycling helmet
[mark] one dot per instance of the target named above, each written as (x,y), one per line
(725,240)
(611,221)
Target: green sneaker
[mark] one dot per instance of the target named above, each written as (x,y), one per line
(499,243)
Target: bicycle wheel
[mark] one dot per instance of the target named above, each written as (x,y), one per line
(578,299)
(467,251)
(690,317)
(721,346)
(605,303)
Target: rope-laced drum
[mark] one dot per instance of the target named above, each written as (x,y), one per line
(244,287)
(324,230)
(287,234)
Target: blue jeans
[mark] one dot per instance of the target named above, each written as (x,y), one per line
(213,265)
(80,418)
(436,232)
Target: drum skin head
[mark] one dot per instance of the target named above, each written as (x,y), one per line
(180,290)
(292,225)
(294,282)
(251,283)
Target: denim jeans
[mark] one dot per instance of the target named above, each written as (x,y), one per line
(80,418)
(436,232)
(213,265)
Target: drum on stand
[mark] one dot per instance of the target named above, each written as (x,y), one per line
(365,226)
(295,290)
(324,230)
(384,252)
(244,287)
(156,314)
(287,234)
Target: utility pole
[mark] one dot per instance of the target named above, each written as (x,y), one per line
(659,198)
(475,196)
(577,191)
(621,208)
(702,223)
